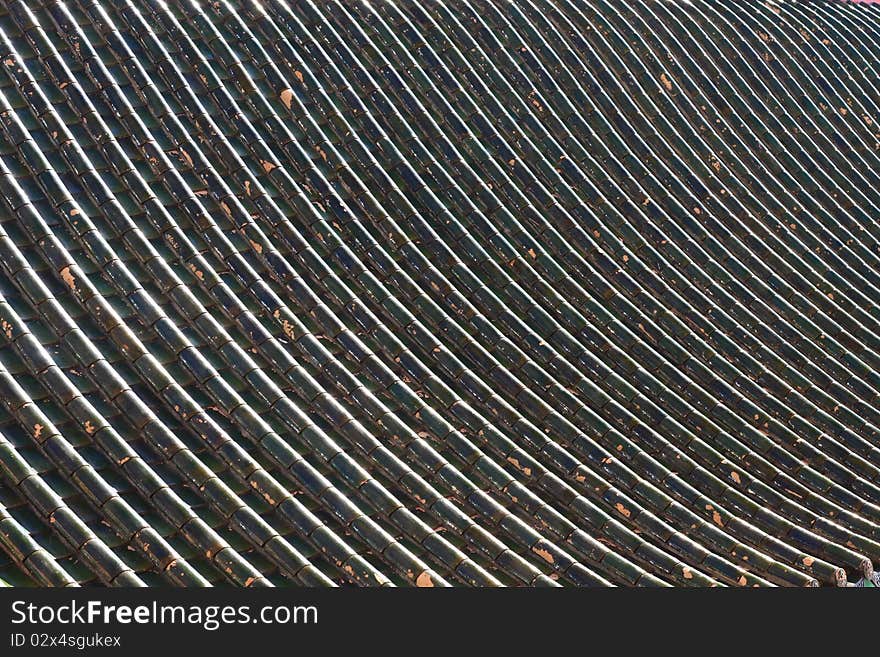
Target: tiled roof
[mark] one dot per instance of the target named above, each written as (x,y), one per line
(474,292)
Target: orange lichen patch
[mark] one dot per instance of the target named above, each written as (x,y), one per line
(808,561)
(716,518)
(686,572)
(7,329)
(622,509)
(9,61)
(68,278)
(625,258)
(268,166)
(424,581)
(646,201)
(666,81)
(38,430)
(544,554)
(299,76)
(247,187)
(515,463)
(697,211)
(742,581)
(735,476)
(716,165)
(286,97)
(186,158)
(89,427)
(843,111)
(249,581)
(868,120)
(533,254)
(226,209)
(74,212)
(321,152)
(257,246)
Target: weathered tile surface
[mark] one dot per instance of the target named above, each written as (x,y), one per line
(460,293)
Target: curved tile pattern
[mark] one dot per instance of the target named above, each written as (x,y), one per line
(471,292)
